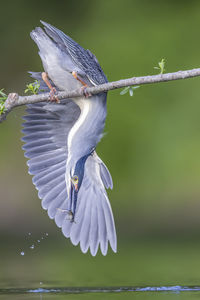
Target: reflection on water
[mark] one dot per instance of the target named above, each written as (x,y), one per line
(88,290)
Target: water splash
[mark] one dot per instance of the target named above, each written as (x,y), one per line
(35,242)
(173,289)
(81,290)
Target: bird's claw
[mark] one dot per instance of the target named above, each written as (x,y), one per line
(84,87)
(71,216)
(85,93)
(69,213)
(52,94)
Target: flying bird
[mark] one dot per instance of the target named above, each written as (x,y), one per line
(61,139)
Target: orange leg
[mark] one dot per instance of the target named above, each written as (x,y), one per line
(74,74)
(86,94)
(52,89)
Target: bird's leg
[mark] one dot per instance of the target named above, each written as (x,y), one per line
(69,210)
(75,202)
(70,199)
(74,74)
(53,91)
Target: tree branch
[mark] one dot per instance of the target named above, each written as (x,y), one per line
(14,99)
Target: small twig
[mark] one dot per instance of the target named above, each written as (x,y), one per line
(14,99)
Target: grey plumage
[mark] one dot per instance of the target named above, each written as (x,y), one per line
(84,59)
(57,136)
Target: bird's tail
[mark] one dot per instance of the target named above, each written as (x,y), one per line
(41,39)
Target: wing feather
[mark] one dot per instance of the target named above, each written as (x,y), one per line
(46,130)
(49,172)
(61,216)
(102,227)
(35,151)
(49,177)
(56,204)
(86,222)
(94,224)
(48,192)
(76,230)
(66,227)
(105,176)
(42,162)
(94,238)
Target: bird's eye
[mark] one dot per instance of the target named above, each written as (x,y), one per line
(75,179)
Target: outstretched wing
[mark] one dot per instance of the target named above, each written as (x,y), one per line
(46,131)
(94,223)
(84,59)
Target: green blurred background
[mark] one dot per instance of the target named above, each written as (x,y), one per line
(152,143)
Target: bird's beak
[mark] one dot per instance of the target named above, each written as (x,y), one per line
(75,184)
(76,187)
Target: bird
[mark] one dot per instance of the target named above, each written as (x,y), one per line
(60,142)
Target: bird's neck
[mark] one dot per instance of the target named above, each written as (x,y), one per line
(87,131)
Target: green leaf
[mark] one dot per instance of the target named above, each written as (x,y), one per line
(129,89)
(33,87)
(125,90)
(161,66)
(3,98)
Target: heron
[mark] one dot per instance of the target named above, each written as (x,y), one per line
(60,142)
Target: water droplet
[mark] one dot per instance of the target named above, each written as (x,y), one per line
(22,253)
(32,247)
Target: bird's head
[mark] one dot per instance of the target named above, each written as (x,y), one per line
(78,173)
(75,182)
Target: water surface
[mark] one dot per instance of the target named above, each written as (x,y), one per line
(156,269)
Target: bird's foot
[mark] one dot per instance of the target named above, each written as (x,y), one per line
(85,93)
(52,94)
(53,97)
(69,214)
(84,87)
